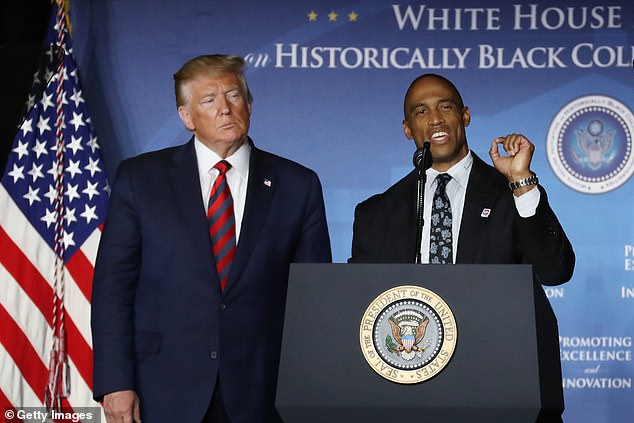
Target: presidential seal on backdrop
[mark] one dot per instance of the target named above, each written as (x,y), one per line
(408,334)
(589,144)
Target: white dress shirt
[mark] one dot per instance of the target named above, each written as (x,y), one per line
(456,191)
(237,176)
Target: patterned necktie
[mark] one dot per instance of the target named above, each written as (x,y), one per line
(222,223)
(440,241)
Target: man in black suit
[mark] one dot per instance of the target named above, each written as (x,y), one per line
(498,215)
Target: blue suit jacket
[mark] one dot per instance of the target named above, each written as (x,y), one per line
(161,326)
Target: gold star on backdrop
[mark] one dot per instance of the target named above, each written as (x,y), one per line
(332,16)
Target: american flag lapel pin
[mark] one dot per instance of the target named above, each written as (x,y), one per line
(485,213)
(267,183)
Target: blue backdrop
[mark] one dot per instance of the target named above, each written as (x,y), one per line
(329,78)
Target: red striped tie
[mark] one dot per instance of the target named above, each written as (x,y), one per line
(222,223)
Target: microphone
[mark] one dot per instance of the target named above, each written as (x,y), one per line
(422,162)
(423,158)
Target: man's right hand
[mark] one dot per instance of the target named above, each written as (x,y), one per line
(122,407)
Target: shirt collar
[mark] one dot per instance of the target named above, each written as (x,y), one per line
(239,160)
(458,172)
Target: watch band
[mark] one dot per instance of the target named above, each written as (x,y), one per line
(531,180)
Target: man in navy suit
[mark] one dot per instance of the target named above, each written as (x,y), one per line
(499,215)
(174,341)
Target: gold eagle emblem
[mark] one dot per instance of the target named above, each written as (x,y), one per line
(408,334)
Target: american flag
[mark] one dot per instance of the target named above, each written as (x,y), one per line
(53,199)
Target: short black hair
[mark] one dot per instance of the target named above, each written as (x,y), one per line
(433,75)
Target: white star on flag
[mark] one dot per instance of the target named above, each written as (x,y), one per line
(39,148)
(46,102)
(36,171)
(49,218)
(21,150)
(69,216)
(32,195)
(26,127)
(92,167)
(73,168)
(89,213)
(77,121)
(17,173)
(75,144)
(91,190)
(71,192)
(42,124)
(76,97)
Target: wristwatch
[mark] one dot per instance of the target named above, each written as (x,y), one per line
(531,180)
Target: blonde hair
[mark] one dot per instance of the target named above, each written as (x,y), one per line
(210,64)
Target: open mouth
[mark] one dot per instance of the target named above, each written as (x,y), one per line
(439,137)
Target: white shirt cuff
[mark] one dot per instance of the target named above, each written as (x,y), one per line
(527,203)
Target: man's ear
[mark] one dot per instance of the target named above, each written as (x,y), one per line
(466,117)
(408,132)
(186,117)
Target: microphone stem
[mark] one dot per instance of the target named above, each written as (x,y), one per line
(422,179)
(422,161)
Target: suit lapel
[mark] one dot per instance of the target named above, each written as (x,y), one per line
(183,175)
(260,188)
(481,194)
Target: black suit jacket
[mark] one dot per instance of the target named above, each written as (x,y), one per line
(161,326)
(385,228)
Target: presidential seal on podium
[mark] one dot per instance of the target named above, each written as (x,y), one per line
(408,334)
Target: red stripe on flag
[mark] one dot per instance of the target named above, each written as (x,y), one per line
(6,405)
(79,351)
(29,278)
(36,287)
(82,272)
(23,354)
